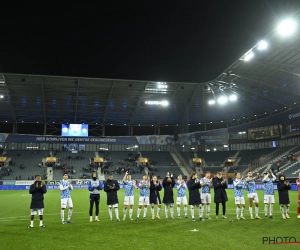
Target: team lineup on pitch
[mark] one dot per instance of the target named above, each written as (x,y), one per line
(150,189)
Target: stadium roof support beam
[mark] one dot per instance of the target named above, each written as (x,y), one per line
(107,103)
(268,64)
(76,102)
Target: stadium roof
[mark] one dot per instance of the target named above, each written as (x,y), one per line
(265,85)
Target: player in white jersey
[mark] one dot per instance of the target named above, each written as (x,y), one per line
(181,196)
(206,184)
(66,200)
(252,194)
(269,192)
(144,197)
(129,195)
(238,196)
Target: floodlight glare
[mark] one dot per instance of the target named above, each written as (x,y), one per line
(286,27)
(232,98)
(164,103)
(211,102)
(262,45)
(222,100)
(249,56)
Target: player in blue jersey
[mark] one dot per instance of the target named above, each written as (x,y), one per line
(252,194)
(37,191)
(269,192)
(65,187)
(181,196)
(238,196)
(206,184)
(94,186)
(155,188)
(144,197)
(129,195)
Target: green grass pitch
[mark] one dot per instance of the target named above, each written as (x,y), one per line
(149,234)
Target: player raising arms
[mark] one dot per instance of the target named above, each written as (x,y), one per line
(269,192)
(181,196)
(238,196)
(66,200)
(155,187)
(168,199)
(252,194)
(206,183)
(144,197)
(129,195)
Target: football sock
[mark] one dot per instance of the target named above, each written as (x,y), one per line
(166,211)
(200,211)
(178,211)
(158,210)
(91,218)
(117,212)
(145,211)
(238,211)
(207,210)
(152,211)
(70,214)
(41,222)
(287,209)
(243,210)
(281,210)
(31,223)
(266,209)
(138,212)
(250,211)
(192,211)
(271,208)
(256,211)
(185,210)
(130,212)
(110,212)
(172,211)
(62,215)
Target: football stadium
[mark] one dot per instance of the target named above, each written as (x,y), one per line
(108,163)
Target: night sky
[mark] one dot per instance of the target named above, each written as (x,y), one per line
(182,41)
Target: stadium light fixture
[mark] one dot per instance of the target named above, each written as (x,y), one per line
(211,102)
(1,96)
(162,103)
(222,100)
(249,56)
(286,27)
(233,97)
(262,45)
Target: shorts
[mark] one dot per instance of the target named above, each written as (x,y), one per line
(269,199)
(66,202)
(206,198)
(113,205)
(253,196)
(239,200)
(143,200)
(129,200)
(182,200)
(34,211)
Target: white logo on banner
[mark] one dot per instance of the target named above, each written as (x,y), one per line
(291,116)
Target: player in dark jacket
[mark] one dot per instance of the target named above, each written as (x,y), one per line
(111,187)
(37,191)
(283,187)
(168,199)
(220,185)
(155,188)
(194,195)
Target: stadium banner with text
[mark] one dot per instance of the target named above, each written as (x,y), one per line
(61,139)
(213,137)
(289,117)
(156,139)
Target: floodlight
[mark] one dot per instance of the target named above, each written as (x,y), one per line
(164,103)
(211,102)
(262,45)
(249,56)
(232,98)
(222,100)
(286,27)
